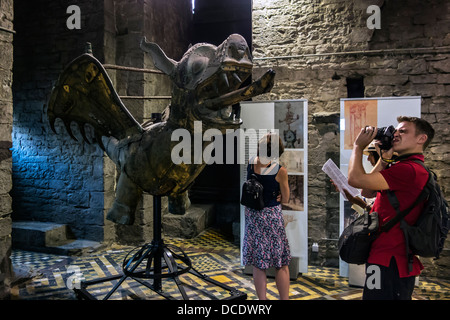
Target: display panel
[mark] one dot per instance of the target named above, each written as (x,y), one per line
(356,113)
(289,119)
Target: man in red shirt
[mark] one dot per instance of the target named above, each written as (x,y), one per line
(387,272)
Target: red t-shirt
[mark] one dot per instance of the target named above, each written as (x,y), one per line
(407,179)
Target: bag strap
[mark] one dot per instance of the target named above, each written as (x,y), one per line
(401,214)
(396,204)
(403,225)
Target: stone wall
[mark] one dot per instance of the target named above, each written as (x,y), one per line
(316,45)
(58,179)
(6,115)
(168,24)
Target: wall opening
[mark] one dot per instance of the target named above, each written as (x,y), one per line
(355,87)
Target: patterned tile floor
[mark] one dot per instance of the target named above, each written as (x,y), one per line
(210,253)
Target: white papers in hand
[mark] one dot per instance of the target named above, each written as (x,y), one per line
(339,179)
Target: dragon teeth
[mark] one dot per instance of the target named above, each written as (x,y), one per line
(224,78)
(237,77)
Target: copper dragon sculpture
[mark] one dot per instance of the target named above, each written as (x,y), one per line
(207,81)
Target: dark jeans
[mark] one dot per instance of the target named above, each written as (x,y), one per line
(384,283)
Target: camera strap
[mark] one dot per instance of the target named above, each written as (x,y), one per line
(400,158)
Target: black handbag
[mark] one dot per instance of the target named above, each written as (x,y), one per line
(252,193)
(356,239)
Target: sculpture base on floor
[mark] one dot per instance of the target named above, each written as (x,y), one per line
(154,262)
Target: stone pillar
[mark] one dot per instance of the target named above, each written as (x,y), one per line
(6,109)
(167,24)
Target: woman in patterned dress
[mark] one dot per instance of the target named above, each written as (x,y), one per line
(265,241)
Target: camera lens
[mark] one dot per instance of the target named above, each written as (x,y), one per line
(385,135)
(380,133)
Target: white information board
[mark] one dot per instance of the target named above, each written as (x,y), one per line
(290,118)
(357,113)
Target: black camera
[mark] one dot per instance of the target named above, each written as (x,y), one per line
(385,135)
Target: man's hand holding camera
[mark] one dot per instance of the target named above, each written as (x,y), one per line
(369,133)
(365,137)
(357,176)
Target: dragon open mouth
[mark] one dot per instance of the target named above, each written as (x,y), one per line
(226,79)
(218,103)
(210,79)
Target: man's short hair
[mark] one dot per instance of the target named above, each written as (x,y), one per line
(422,127)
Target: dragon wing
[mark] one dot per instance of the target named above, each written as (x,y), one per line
(84,94)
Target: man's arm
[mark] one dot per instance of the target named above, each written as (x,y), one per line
(368,193)
(357,177)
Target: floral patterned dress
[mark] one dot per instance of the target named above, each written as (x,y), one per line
(265,243)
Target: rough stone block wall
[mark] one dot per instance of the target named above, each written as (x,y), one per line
(166,23)
(315,45)
(6,115)
(55,178)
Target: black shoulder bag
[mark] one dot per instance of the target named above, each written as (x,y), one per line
(252,193)
(356,239)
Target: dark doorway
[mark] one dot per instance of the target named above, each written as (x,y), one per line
(214,21)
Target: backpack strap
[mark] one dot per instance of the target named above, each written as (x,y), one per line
(250,166)
(399,217)
(396,204)
(401,214)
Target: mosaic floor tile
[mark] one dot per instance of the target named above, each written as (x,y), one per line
(210,253)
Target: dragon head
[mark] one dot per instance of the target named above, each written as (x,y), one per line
(207,81)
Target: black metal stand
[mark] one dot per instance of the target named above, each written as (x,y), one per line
(160,263)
